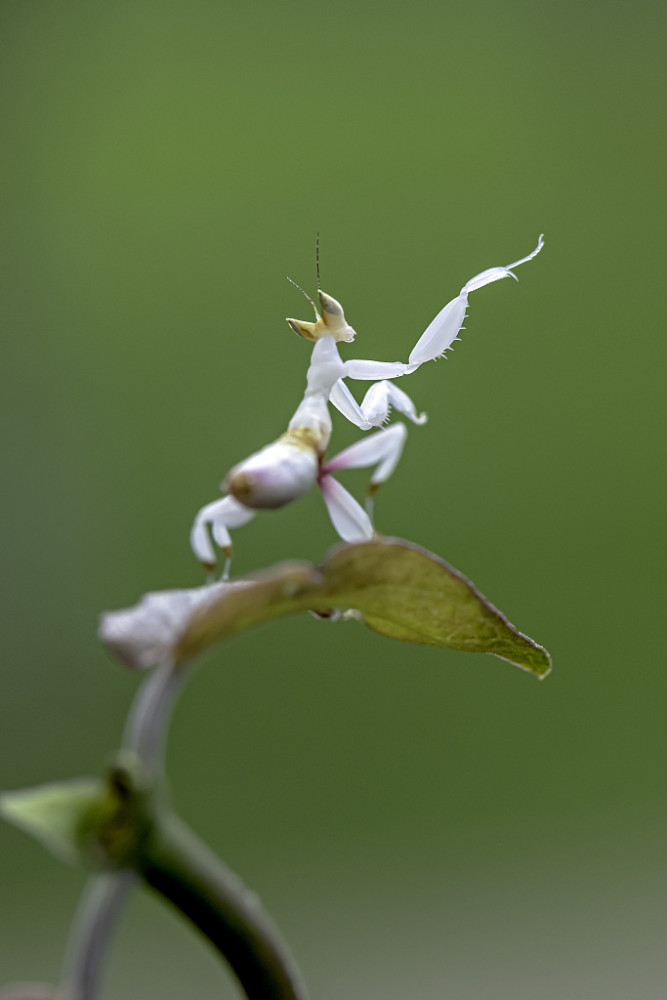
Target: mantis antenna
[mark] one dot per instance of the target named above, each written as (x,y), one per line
(305,294)
(317,267)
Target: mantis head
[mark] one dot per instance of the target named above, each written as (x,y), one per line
(329,322)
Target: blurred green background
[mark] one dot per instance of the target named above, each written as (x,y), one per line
(420,823)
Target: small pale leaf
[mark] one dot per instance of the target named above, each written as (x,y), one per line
(55,814)
(147,633)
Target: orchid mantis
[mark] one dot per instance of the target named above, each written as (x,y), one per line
(284,470)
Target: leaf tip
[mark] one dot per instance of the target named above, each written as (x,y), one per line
(53,814)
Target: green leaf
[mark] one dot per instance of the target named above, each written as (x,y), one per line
(56,814)
(396,588)
(405,592)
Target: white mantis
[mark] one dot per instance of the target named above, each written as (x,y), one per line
(284,470)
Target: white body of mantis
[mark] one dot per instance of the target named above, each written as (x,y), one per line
(284,470)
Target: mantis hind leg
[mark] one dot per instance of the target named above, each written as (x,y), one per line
(211,525)
(382,449)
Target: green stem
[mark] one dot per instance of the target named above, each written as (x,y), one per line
(148,721)
(141,837)
(176,864)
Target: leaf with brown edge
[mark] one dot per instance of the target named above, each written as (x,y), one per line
(405,592)
(395,587)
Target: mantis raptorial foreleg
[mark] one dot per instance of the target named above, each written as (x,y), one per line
(442,331)
(374,409)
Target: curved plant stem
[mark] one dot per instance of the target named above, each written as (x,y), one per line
(175,863)
(105,894)
(148,720)
(97,915)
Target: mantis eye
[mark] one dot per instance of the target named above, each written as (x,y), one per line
(330,306)
(305,330)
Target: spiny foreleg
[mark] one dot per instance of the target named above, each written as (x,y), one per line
(376,405)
